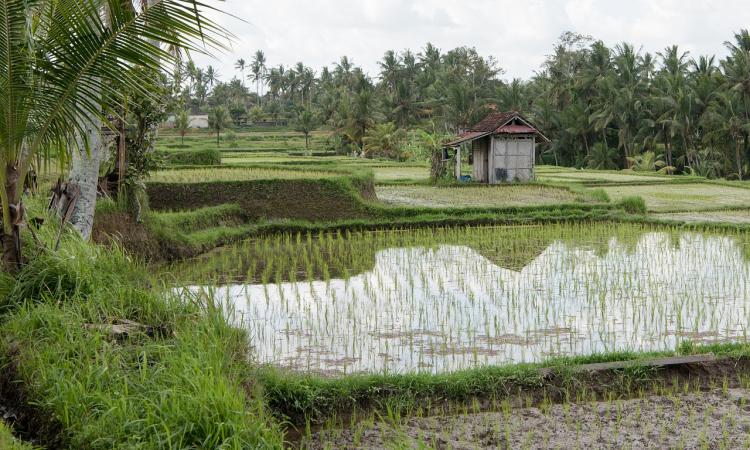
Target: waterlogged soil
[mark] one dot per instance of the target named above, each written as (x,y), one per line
(473,196)
(696,420)
(741,216)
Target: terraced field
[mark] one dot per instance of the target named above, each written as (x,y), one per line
(470,196)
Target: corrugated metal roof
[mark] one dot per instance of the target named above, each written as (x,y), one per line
(494,121)
(512,128)
(498,123)
(467,136)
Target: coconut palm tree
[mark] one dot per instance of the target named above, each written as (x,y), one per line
(727,125)
(219,120)
(384,140)
(59,60)
(240,65)
(259,70)
(305,124)
(212,76)
(390,67)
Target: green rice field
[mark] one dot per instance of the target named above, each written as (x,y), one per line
(458,298)
(233,174)
(684,197)
(473,196)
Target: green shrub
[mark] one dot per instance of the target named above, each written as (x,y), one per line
(599,195)
(633,205)
(200,157)
(231,138)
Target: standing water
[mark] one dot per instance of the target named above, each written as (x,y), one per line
(443,306)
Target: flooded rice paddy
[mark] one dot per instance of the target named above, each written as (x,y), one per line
(449,299)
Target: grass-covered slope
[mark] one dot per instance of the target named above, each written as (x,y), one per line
(95,357)
(266,192)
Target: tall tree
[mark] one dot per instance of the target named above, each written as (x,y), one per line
(305,124)
(259,71)
(219,120)
(59,61)
(182,125)
(241,65)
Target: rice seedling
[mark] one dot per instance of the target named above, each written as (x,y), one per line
(739,216)
(233,174)
(673,420)
(684,197)
(439,300)
(476,196)
(396,173)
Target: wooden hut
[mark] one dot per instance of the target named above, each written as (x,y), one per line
(503,148)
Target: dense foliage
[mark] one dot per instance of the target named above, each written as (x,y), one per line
(602,107)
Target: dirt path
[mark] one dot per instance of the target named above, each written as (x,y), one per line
(711,420)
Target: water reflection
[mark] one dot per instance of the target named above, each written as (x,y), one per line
(447,308)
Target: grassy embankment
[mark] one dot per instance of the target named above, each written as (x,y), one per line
(309,399)
(95,355)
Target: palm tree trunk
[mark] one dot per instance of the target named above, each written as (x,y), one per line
(586,144)
(84,170)
(738,155)
(10,232)
(85,173)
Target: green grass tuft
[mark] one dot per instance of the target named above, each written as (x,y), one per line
(633,205)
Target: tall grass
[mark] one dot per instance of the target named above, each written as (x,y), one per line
(178,381)
(9,442)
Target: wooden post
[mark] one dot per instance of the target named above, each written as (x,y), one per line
(121,149)
(458,163)
(533,157)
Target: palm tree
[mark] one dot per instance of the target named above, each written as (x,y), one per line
(259,70)
(212,76)
(275,80)
(390,67)
(182,125)
(602,157)
(384,140)
(649,162)
(306,85)
(306,123)
(727,125)
(219,120)
(54,77)
(240,65)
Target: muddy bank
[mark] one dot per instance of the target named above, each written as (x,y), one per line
(713,419)
(29,421)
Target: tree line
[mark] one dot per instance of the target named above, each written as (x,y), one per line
(603,107)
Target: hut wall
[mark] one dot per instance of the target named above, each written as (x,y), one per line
(512,159)
(480,149)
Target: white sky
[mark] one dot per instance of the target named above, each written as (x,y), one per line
(518,33)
